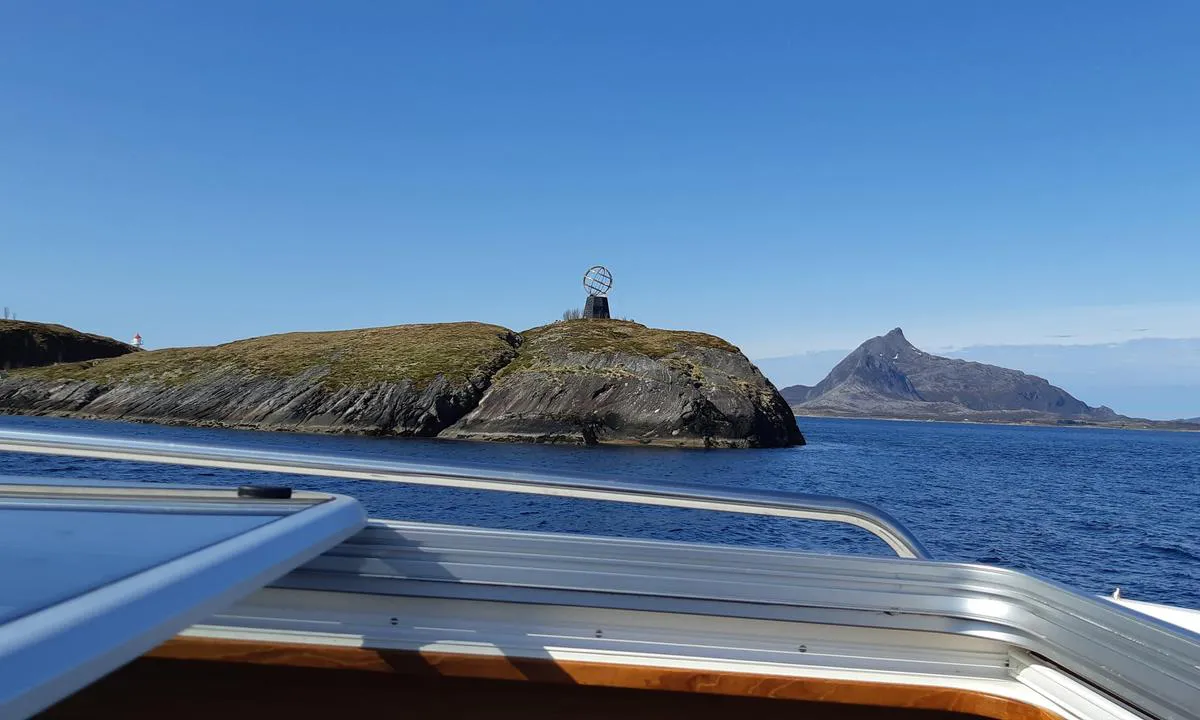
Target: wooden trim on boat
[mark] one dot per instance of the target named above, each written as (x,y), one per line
(454,665)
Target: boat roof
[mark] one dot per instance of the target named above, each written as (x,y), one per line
(109,570)
(1145,662)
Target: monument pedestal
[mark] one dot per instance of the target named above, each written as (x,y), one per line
(596,307)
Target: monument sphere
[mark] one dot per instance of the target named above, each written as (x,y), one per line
(597,280)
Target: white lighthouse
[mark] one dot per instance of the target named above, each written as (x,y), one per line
(137,340)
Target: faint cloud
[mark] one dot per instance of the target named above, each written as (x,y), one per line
(946,329)
(1084,325)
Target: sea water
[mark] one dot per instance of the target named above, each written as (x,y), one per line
(1092,508)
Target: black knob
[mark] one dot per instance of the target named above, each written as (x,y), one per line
(265,492)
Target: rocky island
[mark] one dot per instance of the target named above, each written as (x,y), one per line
(581,381)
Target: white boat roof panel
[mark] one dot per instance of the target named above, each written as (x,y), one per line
(95,574)
(61,554)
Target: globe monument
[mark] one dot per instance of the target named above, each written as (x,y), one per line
(597,281)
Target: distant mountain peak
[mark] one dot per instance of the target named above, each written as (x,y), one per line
(890,346)
(887,376)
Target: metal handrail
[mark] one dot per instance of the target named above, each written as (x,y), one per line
(666,494)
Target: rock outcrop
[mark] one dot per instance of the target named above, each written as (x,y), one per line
(404,380)
(888,377)
(586,381)
(32,344)
(595,381)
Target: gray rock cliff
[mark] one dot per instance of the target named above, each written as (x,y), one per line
(598,381)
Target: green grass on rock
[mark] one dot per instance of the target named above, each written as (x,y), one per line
(353,357)
(608,337)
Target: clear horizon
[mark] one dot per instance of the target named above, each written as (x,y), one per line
(793,178)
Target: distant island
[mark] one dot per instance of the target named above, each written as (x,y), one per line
(579,381)
(888,377)
(32,344)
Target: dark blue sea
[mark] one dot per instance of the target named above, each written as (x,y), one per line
(1091,508)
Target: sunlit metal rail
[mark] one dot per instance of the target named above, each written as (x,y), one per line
(700,497)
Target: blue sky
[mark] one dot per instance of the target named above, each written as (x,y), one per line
(793,176)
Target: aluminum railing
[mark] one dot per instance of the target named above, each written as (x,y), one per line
(701,497)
